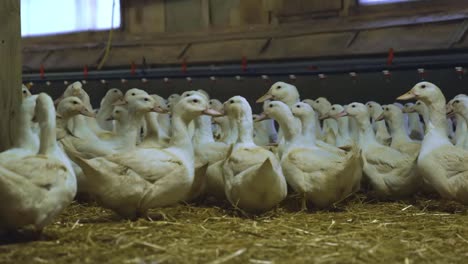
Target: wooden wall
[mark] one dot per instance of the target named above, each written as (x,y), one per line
(214,31)
(10,70)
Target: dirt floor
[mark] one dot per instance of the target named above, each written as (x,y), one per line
(358,230)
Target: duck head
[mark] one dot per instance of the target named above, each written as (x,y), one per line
(72,106)
(273,109)
(237,107)
(118,113)
(302,110)
(193,106)
(336,111)
(321,105)
(357,110)
(390,113)
(25,91)
(375,109)
(424,91)
(280,91)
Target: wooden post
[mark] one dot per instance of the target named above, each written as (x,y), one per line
(10,69)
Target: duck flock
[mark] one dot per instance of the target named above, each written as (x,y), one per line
(140,151)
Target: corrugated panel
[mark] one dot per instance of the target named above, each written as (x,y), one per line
(226,50)
(410,38)
(183,15)
(308,46)
(153,55)
(220,11)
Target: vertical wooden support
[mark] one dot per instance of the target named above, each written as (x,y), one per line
(10,69)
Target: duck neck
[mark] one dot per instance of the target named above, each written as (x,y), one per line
(366,133)
(461,129)
(203,132)
(233,132)
(152,124)
(24,135)
(397,129)
(413,121)
(180,135)
(308,128)
(245,129)
(224,124)
(286,122)
(130,128)
(437,117)
(47,132)
(380,127)
(343,127)
(271,130)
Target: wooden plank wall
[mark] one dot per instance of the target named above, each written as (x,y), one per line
(207,31)
(10,69)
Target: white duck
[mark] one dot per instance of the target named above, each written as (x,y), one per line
(415,127)
(441,164)
(25,91)
(381,133)
(344,137)
(252,175)
(38,186)
(319,176)
(105,110)
(132,182)
(76,89)
(329,130)
(391,173)
(460,137)
(264,131)
(66,109)
(26,141)
(393,115)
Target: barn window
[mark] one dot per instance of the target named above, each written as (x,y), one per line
(377,2)
(49,17)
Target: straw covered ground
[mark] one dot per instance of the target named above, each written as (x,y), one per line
(358,230)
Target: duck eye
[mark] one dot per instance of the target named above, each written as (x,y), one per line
(117,112)
(423,86)
(386,109)
(333,108)
(298,106)
(195,100)
(456,101)
(210,103)
(271,105)
(75,102)
(370,106)
(231,101)
(115,91)
(146,99)
(24,91)
(317,101)
(353,106)
(133,94)
(278,87)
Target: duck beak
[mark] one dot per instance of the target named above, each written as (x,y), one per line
(120,102)
(342,113)
(160,110)
(265,97)
(86,112)
(323,117)
(110,118)
(449,110)
(261,117)
(407,96)
(212,112)
(380,118)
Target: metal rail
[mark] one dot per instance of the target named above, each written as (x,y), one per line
(306,67)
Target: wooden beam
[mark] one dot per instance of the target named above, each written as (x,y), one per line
(10,69)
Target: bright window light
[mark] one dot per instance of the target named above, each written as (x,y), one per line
(49,17)
(377,2)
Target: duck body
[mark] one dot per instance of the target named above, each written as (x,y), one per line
(132,182)
(39,186)
(253,178)
(320,175)
(391,173)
